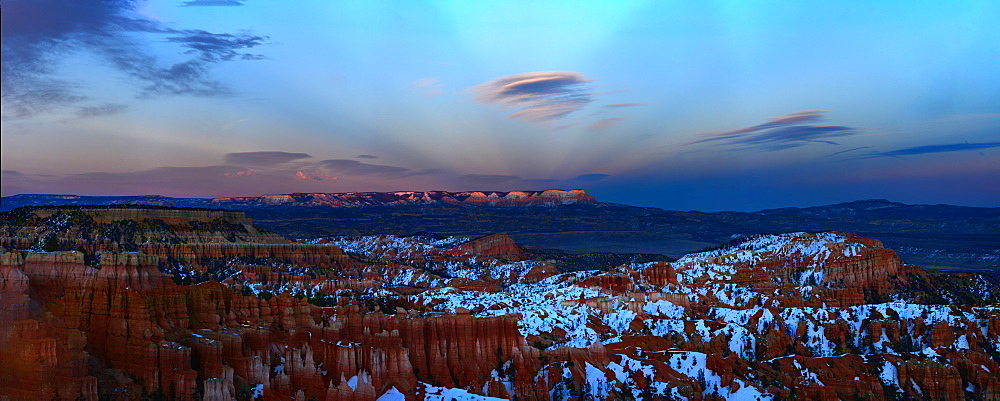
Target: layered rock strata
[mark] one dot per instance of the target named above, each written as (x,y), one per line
(829,316)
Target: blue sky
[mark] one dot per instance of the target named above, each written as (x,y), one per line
(682,105)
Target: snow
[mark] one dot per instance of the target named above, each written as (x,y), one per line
(889,374)
(258,390)
(930,352)
(599,384)
(664,309)
(718,307)
(962,342)
(619,321)
(453,394)
(747,393)
(693,365)
(392,395)
(807,374)
(544,306)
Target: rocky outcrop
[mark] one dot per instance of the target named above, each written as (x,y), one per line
(208,341)
(495,246)
(549,197)
(168,216)
(358,199)
(125,228)
(827,316)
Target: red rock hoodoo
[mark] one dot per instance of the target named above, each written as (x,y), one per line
(191,304)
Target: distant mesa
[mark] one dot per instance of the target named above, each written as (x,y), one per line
(473,198)
(551,197)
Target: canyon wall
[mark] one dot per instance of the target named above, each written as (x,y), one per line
(206,307)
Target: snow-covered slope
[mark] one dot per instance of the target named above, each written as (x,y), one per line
(826,316)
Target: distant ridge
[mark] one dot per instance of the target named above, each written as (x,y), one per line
(933,236)
(883,208)
(551,197)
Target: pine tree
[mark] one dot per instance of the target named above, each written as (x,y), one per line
(52,244)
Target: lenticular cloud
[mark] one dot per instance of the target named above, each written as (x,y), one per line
(537,96)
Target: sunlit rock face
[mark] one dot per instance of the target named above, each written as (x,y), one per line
(211,308)
(474,198)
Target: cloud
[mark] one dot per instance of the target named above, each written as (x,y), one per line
(594,177)
(314,176)
(242,173)
(783,132)
(233,124)
(620,105)
(430,87)
(106,109)
(500,182)
(38,35)
(209,3)
(537,96)
(215,47)
(429,171)
(366,157)
(489,179)
(848,150)
(173,181)
(533,183)
(355,167)
(605,123)
(267,158)
(26,87)
(922,150)
(189,77)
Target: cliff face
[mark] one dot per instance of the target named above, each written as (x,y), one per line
(208,341)
(827,316)
(125,228)
(549,197)
(356,199)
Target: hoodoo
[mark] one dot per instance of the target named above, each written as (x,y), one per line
(186,304)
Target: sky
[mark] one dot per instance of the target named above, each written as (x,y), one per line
(709,105)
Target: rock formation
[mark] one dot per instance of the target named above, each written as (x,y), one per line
(180,304)
(355,199)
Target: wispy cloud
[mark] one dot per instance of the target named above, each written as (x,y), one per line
(605,123)
(233,124)
(366,157)
(242,173)
(37,34)
(849,150)
(314,176)
(537,96)
(927,149)
(189,77)
(790,131)
(430,87)
(593,177)
(621,105)
(354,167)
(489,179)
(106,109)
(263,158)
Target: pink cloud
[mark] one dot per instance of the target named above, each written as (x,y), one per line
(537,96)
(242,173)
(314,175)
(605,123)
